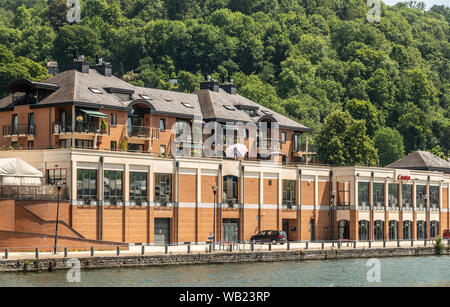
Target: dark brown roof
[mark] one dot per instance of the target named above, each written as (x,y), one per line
(422,160)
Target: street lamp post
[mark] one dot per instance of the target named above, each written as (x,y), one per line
(214,188)
(59,186)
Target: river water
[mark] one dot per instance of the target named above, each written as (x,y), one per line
(398,271)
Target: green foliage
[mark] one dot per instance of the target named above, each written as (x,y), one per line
(303,58)
(389,143)
(438,246)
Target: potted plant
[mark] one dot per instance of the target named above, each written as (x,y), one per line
(124,145)
(104,125)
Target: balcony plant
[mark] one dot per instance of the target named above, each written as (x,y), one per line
(124,145)
(104,125)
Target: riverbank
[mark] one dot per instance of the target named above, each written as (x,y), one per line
(221,257)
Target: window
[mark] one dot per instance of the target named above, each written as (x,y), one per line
(344,230)
(113,186)
(343,190)
(251,113)
(113,119)
(135,147)
(187,105)
(230,108)
(146,97)
(95,90)
(406,195)
(434,196)
(56,175)
(163,149)
(393,230)
(86,185)
(407,230)
(138,187)
(31,127)
(163,189)
(30,144)
(420,195)
(162,124)
(421,230)
(230,190)
(363,193)
(246,133)
(14,145)
(85,144)
(393,194)
(363,230)
(289,193)
(113,145)
(283,137)
(65,143)
(434,226)
(297,142)
(15,124)
(378,194)
(378,230)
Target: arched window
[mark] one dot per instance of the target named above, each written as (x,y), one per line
(363,230)
(230,190)
(421,230)
(344,229)
(434,227)
(407,230)
(393,230)
(378,230)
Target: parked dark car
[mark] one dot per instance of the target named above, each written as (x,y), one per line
(272,236)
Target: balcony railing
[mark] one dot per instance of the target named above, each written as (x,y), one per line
(80,127)
(43,192)
(16,130)
(289,206)
(312,148)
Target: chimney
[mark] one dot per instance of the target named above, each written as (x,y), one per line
(52,68)
(211,85)
(103,68)
(80,64)
(230,88)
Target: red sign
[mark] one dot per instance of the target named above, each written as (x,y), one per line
(401,177)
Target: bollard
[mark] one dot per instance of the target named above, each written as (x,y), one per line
(210,247)
(323,245)
(189,249)
(288,246)
(425,242)
(65,252)
(384,243)
(231,248)
(339,245)
(92,251)
(270,246)
(118,250)
(142,250)
(37,253)
(370,244)
(252,246)
(354,244)
(412,243)
(307,245)
(398,243)
(6,253)
(166,249)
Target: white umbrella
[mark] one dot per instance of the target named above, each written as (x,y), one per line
(276,153)
(236,151)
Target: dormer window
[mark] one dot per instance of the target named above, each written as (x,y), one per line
(95,90)
(187,105)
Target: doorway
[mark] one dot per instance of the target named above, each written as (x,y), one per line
(230,230)
(162,231)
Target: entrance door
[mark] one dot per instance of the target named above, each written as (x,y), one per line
(230,230)
(162,231)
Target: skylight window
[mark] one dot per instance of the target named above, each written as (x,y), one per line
(266,112)
(145,97)
(95,90)
(230,108)
(188,105)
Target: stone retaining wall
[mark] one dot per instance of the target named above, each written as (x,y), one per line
(216,258)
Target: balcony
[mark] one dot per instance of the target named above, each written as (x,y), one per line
(301,148)
(143,132)
(80,128)
(288,206)
(19,130)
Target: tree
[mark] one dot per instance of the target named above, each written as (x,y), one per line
(363,109)
(343,141)
(389,143)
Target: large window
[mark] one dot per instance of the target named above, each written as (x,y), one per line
(434,196)
(343,198)
(434,226)
(420,195)
(363,193)
(138,187)
(163,189)
(57,175)
(378,194)
(230,190)
(289,193)
(407,230)
(421,230)
(86,185)
(378,230)
(393,230)
(407,195)
(113,187)
(363,230)
(85,144)
(393,194)
(344,230)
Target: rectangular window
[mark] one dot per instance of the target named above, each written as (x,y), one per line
(30,144)
(246,133)
(162,124)
(138,187)
(113,186)
(393,194)
(31,128)
(230,190)
(434,196)
(113,145)
(136,147)
(363,193)
(407,195)
(343,190)
(57,175)
(86,185)
(113,119)
(297,142)
(378,194)
(84,144)
(289,193)
(15,124)
(283,137)
(420,195)
(14,145)
(163,189)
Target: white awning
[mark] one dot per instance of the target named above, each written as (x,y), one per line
(14,171)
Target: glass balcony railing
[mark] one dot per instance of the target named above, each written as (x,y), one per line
(14,130)
(80,127)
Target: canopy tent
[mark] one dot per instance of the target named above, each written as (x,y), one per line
(14,171)
(95,114)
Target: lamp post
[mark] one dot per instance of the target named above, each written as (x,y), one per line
(214,188)
(59,186)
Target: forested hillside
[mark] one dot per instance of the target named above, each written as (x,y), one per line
(317,61)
